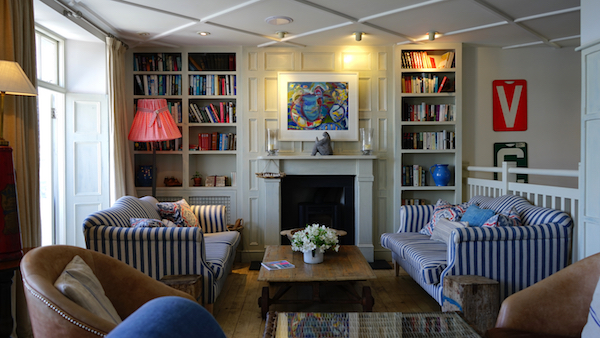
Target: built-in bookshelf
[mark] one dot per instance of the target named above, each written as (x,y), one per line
(201,90)
(428,121)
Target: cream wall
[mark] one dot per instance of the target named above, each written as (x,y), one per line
(554,99)
(85,64)
(260,111)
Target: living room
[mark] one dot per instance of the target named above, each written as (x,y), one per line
(553,137)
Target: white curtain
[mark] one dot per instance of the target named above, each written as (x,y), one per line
(122,175)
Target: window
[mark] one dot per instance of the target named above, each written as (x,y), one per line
(49,58)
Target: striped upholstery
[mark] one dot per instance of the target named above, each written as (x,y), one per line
(516,257)
(162,251)
(211,217)
(414,217)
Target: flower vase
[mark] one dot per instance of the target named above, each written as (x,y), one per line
(313,257)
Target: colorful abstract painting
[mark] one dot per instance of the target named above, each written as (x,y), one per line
(312,103)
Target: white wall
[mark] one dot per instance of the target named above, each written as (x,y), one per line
(590,26)
(553,83)
(85,64)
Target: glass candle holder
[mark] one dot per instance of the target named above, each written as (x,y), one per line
(366,135)
(272,142)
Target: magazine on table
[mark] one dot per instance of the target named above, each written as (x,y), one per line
(278,265)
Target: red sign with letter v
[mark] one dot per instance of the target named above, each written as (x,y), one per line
(510,105)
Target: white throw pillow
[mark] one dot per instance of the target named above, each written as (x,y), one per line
(592,327)
(79,284)
(444,227)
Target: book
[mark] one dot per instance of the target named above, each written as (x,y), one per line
(278,265)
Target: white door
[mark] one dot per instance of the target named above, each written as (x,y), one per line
(87,163)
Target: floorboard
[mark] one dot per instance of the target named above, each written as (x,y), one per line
(238,313)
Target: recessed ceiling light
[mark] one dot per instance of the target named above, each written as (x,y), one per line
(279,20)
(204,33)
(143,33)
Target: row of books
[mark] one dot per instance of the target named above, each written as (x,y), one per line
(429,112)
(160,146)
(211,61)
(447,60)
(424,83)
(156,62)
(217,141)
(414,201)
(223,112)
(428,140)
(413,175)
(212,85)
(157,85)
(417,59)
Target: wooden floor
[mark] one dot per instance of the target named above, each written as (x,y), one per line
(238,313)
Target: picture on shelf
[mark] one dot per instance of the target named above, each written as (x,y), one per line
(311,103)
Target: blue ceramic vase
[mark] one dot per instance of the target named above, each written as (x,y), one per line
(441,174)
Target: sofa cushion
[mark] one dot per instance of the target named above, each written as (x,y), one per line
(121,212)
(427,256)
(145,223)
(505,218)
(446,210)
(230,238)
(179,213)
(78,283)
(444,228)
(477,216)
(218,254)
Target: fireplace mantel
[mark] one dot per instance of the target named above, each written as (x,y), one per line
(361,167)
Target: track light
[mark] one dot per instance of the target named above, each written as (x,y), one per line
(281,34)
(358,35)
(432,35)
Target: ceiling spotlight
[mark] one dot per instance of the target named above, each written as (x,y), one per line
(432,35)
(358,35)
(143,33)
(278,20)
(281,34)
(203,33)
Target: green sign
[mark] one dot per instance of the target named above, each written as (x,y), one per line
(511,152)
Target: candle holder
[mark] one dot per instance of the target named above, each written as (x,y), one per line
(366,134)
(272,142)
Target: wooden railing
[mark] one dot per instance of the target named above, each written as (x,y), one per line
(566,199)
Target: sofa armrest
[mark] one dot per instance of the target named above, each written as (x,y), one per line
(414,217)
(212,218)
(516,257)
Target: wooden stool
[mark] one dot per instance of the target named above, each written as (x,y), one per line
(477,297)
(190,284)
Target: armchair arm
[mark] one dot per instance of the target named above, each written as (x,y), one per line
(414,217)
(516,257)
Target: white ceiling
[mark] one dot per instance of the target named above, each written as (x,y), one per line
(497,23)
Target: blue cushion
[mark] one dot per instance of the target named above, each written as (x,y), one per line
(476,216)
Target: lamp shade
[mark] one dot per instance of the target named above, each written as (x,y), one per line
(13,80)
(153,122)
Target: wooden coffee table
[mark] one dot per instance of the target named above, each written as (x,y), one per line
(341,268)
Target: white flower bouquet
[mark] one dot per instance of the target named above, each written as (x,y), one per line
(315,237)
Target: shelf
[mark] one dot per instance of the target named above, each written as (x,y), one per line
(427,188)
(428,123)
(213,152)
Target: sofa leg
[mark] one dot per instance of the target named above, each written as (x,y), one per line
(209,308)
(396,268)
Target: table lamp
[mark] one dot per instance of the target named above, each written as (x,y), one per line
(13,81)
(153,123)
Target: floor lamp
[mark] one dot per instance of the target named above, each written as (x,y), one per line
(13,81)
(153,123)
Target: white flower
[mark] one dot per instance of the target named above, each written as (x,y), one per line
(315,237)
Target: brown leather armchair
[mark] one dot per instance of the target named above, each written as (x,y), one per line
(54,315)
(557,306)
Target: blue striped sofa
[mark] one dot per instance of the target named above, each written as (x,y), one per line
(516,256)
(208,251)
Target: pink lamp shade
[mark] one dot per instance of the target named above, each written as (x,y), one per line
(153,122)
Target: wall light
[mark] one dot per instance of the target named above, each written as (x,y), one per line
(358,35)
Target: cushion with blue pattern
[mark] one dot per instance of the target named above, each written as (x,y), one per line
(446,210)
(477,216)
(506,218)
(179,213)
(145,223)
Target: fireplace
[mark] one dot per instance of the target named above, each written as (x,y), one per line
(323,199)
(271,205)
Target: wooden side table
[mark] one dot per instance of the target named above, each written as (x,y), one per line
(477,297)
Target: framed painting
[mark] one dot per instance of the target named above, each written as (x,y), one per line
(313,103)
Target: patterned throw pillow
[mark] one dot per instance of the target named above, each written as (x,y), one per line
(446,210)
(444,227)
(179,213)
(145,223)
(506,218)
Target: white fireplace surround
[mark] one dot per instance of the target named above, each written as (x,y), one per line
(359,166)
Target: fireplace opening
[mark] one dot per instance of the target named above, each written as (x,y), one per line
(323,199)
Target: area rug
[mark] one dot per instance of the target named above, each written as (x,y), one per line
(255,265)
(380,264)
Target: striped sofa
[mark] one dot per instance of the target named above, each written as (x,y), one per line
(208,251)
(516,257)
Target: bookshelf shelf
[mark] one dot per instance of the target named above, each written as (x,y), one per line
(190,79)
(426,115)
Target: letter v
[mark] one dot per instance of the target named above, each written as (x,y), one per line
(510,114)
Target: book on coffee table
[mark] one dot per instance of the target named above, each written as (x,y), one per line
(278,265)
